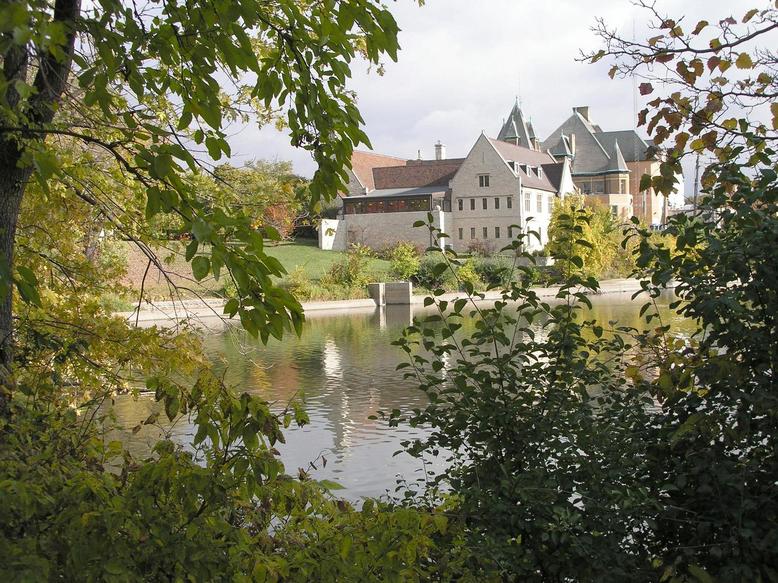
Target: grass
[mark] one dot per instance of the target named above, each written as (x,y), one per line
(303,253)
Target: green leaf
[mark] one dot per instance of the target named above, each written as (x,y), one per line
(200,267)
(330,485)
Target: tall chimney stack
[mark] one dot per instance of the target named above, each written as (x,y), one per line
(440,151)
(584,111)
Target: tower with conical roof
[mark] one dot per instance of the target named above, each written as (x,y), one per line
(516,130)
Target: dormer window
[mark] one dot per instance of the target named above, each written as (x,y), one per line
(540,172)
(524,168)
(483,180)
(512,164)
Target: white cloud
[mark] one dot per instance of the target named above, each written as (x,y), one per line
(463,62)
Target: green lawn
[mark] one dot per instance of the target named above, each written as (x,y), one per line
(316,262)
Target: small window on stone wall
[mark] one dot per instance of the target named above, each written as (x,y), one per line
(486,232)
(472,232)
(461,204)
(460,233)
(483,180)
(472,204)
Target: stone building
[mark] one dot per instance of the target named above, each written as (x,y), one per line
(481,200)
(607,165)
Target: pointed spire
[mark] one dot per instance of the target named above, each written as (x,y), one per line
(617,162)
(514,130)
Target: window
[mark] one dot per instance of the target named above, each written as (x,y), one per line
(540,172)
(484,203)
(510,202)
(510,232)
(485,231)
(497,232)
(623,186)
(496,204)
(550,203)
(615,210)
(527,202)
(540,203)
(461,204)
(483,180)
(472,232)
(472,204)
(461,230)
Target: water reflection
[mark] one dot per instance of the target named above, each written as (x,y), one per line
(343,366)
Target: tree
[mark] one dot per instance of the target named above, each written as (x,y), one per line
(146,85)
(593,451)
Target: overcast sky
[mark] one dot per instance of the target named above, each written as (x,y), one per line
(463,62)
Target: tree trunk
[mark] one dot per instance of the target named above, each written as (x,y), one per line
(36,113)
(13,181)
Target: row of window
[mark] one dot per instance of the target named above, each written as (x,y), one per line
(509,203)
(485,232)
(394,205)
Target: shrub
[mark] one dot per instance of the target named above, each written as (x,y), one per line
(480,248)
(434,273)
(467,274)
(405,260)
(496,271)
(299,284)
(351,271)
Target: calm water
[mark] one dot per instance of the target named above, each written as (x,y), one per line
(344,368)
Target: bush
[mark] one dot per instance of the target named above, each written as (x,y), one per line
(496,271)
(467,274)
(434,273)
(405,260)
(480,248)
(351,271)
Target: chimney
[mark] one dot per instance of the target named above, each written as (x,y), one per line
(584,111)
(572,144)
(440,151)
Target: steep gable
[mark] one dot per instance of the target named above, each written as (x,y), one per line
(363,163)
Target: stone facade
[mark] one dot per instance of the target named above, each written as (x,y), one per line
(379,231)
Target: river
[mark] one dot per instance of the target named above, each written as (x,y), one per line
(343,366)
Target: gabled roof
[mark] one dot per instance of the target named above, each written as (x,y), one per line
(528,157)
(417,173)
(363,163)
(597,151)
(516,129)
(562,149)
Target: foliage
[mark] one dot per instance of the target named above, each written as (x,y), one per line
(268,193)
(352,271)
(434,274)
(468,275)
(715,436)
(79,507)
(546,472)
(495,271)
(600,241)
(480,248)
(405,260)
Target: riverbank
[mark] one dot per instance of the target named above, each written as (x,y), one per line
(209,311)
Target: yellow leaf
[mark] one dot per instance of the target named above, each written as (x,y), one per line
(744,61)
(729,124)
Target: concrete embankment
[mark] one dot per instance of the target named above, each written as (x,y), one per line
(209,312)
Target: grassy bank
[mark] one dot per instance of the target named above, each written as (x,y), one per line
(302,258)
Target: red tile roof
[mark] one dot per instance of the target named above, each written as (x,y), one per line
(363,163)
(417,173)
